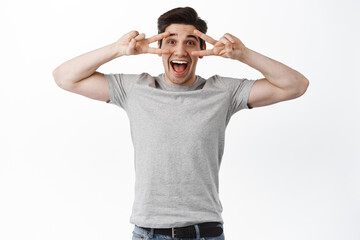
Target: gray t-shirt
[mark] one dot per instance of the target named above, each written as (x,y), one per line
(178,136)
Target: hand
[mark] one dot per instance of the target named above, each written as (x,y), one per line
(228,46)
(134,43)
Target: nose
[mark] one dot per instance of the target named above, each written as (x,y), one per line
(180,50)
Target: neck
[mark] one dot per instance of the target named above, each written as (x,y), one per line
(186,83)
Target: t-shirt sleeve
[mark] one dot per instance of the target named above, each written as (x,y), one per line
(120,86)
(239,91)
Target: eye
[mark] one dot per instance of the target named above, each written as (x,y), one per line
(190,43)
(171,42)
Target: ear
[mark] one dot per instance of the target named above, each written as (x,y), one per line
(159,47)
(204,48)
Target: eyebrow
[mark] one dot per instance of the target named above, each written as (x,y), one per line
(188,36)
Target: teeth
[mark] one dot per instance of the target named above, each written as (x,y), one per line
(179,62)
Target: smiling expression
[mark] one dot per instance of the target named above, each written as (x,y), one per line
(179,64)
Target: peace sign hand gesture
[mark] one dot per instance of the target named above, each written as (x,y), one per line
(228,46)
(134,43)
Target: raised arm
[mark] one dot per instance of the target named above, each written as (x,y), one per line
(281,82)
(79,74)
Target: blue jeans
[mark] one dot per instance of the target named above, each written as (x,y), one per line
(142,234)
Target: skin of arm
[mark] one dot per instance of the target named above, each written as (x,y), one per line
(281,82)
(79,74)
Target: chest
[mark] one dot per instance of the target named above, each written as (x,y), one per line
(195,114)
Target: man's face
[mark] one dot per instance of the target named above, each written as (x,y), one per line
(179,64)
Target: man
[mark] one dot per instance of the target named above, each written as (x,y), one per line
(178,119)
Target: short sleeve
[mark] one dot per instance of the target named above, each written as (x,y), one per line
(239,91)
(120,86)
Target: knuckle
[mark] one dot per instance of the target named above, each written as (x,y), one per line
(133,33)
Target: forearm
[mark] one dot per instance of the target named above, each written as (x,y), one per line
(83,66)
(275,72)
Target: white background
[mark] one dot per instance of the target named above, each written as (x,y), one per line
(289,171)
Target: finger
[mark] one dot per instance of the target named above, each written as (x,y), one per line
(140,37)
(228,47)
(132,43)
(229,37)
(156,50)
(158,37)
(202,53)
(132,34)
(222,52)
(224,40)
(205,37)
(227,43)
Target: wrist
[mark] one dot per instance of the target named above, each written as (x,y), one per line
(116,50)
(243,55)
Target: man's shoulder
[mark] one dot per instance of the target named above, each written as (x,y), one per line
(228,83)
(136,75)
(133,77)
(227,80)
(215,80)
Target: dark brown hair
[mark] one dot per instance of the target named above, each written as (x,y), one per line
(186,15)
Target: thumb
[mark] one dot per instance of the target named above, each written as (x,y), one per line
(132,43)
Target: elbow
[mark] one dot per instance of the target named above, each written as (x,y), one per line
(303,86)
(300,89)
(56,77)
(60,80)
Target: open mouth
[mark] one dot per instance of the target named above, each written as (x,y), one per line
(179,66)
